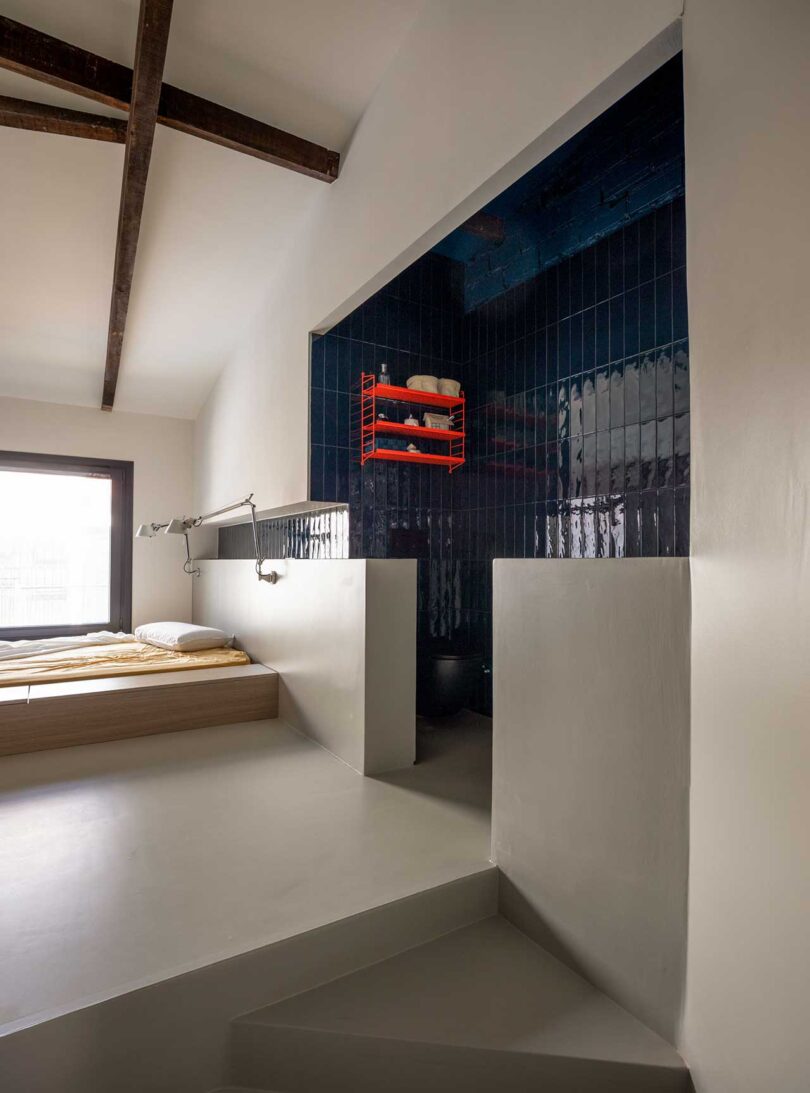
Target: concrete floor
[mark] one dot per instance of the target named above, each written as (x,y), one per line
(124,863)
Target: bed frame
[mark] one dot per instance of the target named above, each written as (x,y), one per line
(61,715)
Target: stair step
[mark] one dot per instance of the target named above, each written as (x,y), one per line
(479,1009)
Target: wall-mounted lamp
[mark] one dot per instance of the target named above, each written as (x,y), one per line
(177,526)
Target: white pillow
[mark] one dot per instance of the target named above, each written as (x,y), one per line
(182,636)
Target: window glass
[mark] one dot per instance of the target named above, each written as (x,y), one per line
(55,539)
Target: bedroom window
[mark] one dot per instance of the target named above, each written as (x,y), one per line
(65,545)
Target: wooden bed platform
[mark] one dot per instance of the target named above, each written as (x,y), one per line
(61,715)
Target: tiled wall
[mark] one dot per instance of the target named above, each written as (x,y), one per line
(578,396)
(577,385)
(321,533)
(416,325)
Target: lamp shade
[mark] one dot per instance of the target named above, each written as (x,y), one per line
(145,531)
(176,527)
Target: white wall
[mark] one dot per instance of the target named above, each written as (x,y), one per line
(747,84)
(161,451)
(473,99)
(341,635)
(591,769)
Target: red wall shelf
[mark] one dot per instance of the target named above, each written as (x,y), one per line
(371,427)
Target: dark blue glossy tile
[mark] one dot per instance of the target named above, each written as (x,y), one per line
(666,523)
(617,527)
(631,322)
(602,270)
(632,457)
(649,523)
(589,402)
(681,376)
(616,395)
(665,452)
(632,525)
(603,462)
(663,309)
(681,444)
(616,460)
(575,396)
(602,398)
(682,522)
(646,316)
(317,356)
(589,527)
(632,379)
(316,435)
(631,256)
(647,388)
(617,328)
(680,318)
(602,333)
(663,240)
(588,277)
(646,249)
(664,383)
(589,483)
(649,456)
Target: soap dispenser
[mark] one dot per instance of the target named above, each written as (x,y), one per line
(384,377)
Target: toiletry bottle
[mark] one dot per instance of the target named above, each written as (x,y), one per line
(384,376)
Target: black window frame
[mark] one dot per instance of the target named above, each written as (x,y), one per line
(121,475)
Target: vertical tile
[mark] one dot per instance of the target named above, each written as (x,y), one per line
(649,456)
(576,467)
(663,240)
(632,409)
(682,522)
(616,460)
(617,328)
(589,528)
(632,525)
(680,319)
(602,333)
(576,544)
(588,277)
(632,457)
(602,398)
(646,316)
(616,394)
(589,402)
(617,527)
(663,309)
(603,462)
(647,388)
(602,270)
(631,256)
(589,464)
(665,452)
(646,249)
(576,407)
(616,245)
(602,527)
(681,443)
(664,387)
(680,357)
(666,523)
(649,524)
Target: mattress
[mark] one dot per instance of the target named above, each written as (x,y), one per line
(129,658)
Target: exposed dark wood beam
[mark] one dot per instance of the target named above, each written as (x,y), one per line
(52,61)
(486,226)
(41,118)
(150,55)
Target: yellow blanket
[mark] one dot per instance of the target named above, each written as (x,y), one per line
(130,658)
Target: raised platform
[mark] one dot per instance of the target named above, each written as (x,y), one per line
(90,711)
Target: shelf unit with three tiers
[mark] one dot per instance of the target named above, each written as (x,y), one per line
(373,431)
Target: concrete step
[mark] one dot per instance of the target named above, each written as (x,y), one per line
(479,1009)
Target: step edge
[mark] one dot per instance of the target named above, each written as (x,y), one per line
(673,1066)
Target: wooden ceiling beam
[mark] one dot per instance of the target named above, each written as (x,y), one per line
(59,64)
(150,56)
(42,118)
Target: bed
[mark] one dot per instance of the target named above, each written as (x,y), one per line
(126,688)
(130,658)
